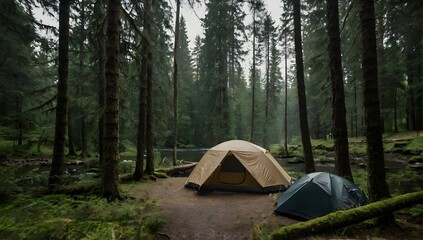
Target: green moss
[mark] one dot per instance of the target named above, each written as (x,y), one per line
(405,180)
(326,143)
(8,186)
(64,217)
(416,159)
(388,147)
(415,144)
(126,166)
(153,223)
(323,159)
(358,148)
(293,150)
(160,175)
(6,148)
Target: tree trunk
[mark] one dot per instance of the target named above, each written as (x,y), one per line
(178,169)
(224,125)
(285,122)
(149,169)
(139,166)
(383,86)
(19,120)
(395,109)
(101,41)
(71,139)
(266,105)
(355,108)
(56,170)
(253,78)
(109,178)
(175,84)
(345,218)
(419,84)
(377,185)
(410,91)
(84,145)
(142,103)
(302,102)
(340,131)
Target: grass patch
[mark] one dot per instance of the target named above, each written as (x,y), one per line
(293,150)
(406,180)
(360,179)
(65,217)
(388,147)
(415,144)
(358,148)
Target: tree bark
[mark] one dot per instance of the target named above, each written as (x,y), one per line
(355,109)
(253,77)
(345,218)
(175,169)
(175,84)
(109,178)
(419,84)
(149,169)
(71,139)
(411,117)
(101,48)
(377,185)
(340,131)
(266,105)
(142,104)
(56,170)
(302,102)
(84,144)
(285,122)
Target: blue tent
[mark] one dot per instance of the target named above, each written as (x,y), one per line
(317,194)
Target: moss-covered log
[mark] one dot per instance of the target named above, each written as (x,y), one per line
(348,217)
(173,170)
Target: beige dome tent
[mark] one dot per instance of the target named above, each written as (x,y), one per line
(239,166)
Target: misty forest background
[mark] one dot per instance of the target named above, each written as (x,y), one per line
(29,73)
(238,82)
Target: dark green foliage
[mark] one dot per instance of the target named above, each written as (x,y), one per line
(186,84)
(153,224)
(8,186)
(17,73)
(214,74)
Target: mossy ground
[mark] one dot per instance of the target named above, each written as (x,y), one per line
(58,216)
(28,211)
(403,180)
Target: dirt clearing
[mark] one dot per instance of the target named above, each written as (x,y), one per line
(215,215)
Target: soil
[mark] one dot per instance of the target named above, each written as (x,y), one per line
(214,215)
(229,215)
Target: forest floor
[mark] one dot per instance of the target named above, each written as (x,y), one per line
(215,215)
(228,215)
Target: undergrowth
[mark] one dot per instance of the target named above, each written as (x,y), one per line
(65,217)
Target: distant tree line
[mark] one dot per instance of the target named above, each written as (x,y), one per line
(119,73)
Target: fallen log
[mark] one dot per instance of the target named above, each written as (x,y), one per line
(176,169)
(344,218)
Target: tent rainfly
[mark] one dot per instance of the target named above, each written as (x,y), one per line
(317,194)
(238,166)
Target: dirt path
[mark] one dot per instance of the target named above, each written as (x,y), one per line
(216,215)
